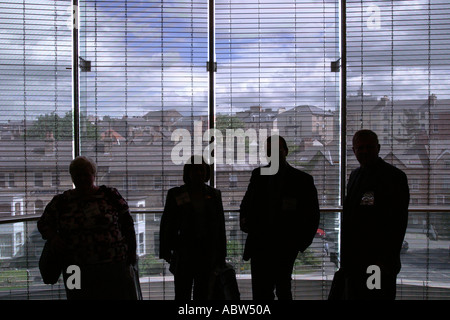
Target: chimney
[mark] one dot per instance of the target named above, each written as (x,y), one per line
(385,101)
(49,148)
(255,108)
(432,99)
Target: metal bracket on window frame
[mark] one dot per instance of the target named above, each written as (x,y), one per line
(85,65)
(208,66)
(335,66)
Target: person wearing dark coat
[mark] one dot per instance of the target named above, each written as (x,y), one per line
(280,214)
(192,233)
(374,221)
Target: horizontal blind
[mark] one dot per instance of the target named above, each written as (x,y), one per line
(274,75)
(398,87)
(35,129)
(147,81)
(143,76)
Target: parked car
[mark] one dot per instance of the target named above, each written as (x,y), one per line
(320,233)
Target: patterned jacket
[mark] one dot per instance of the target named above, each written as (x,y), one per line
(95,229)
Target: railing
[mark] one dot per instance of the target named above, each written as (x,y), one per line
(425,273)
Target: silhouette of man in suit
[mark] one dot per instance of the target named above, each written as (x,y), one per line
(280,214)
(374,221)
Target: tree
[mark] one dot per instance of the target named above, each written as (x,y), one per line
(224,122)
(61,127)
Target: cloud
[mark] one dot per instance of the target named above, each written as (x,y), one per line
(31,73)
(275,56)
(404,53)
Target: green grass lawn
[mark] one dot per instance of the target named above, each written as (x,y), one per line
(13,279)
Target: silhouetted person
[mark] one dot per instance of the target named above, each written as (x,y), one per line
(374,221)
(280,213)
(91,227)
(192,232)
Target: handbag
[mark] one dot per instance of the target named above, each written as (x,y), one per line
(226,287)
(137,285)
(50,265)
(338,286)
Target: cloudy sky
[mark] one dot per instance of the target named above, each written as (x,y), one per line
(148,55)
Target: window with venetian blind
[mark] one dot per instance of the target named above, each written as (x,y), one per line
(143,75)
(397,86)
(274,76)
(35,131)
